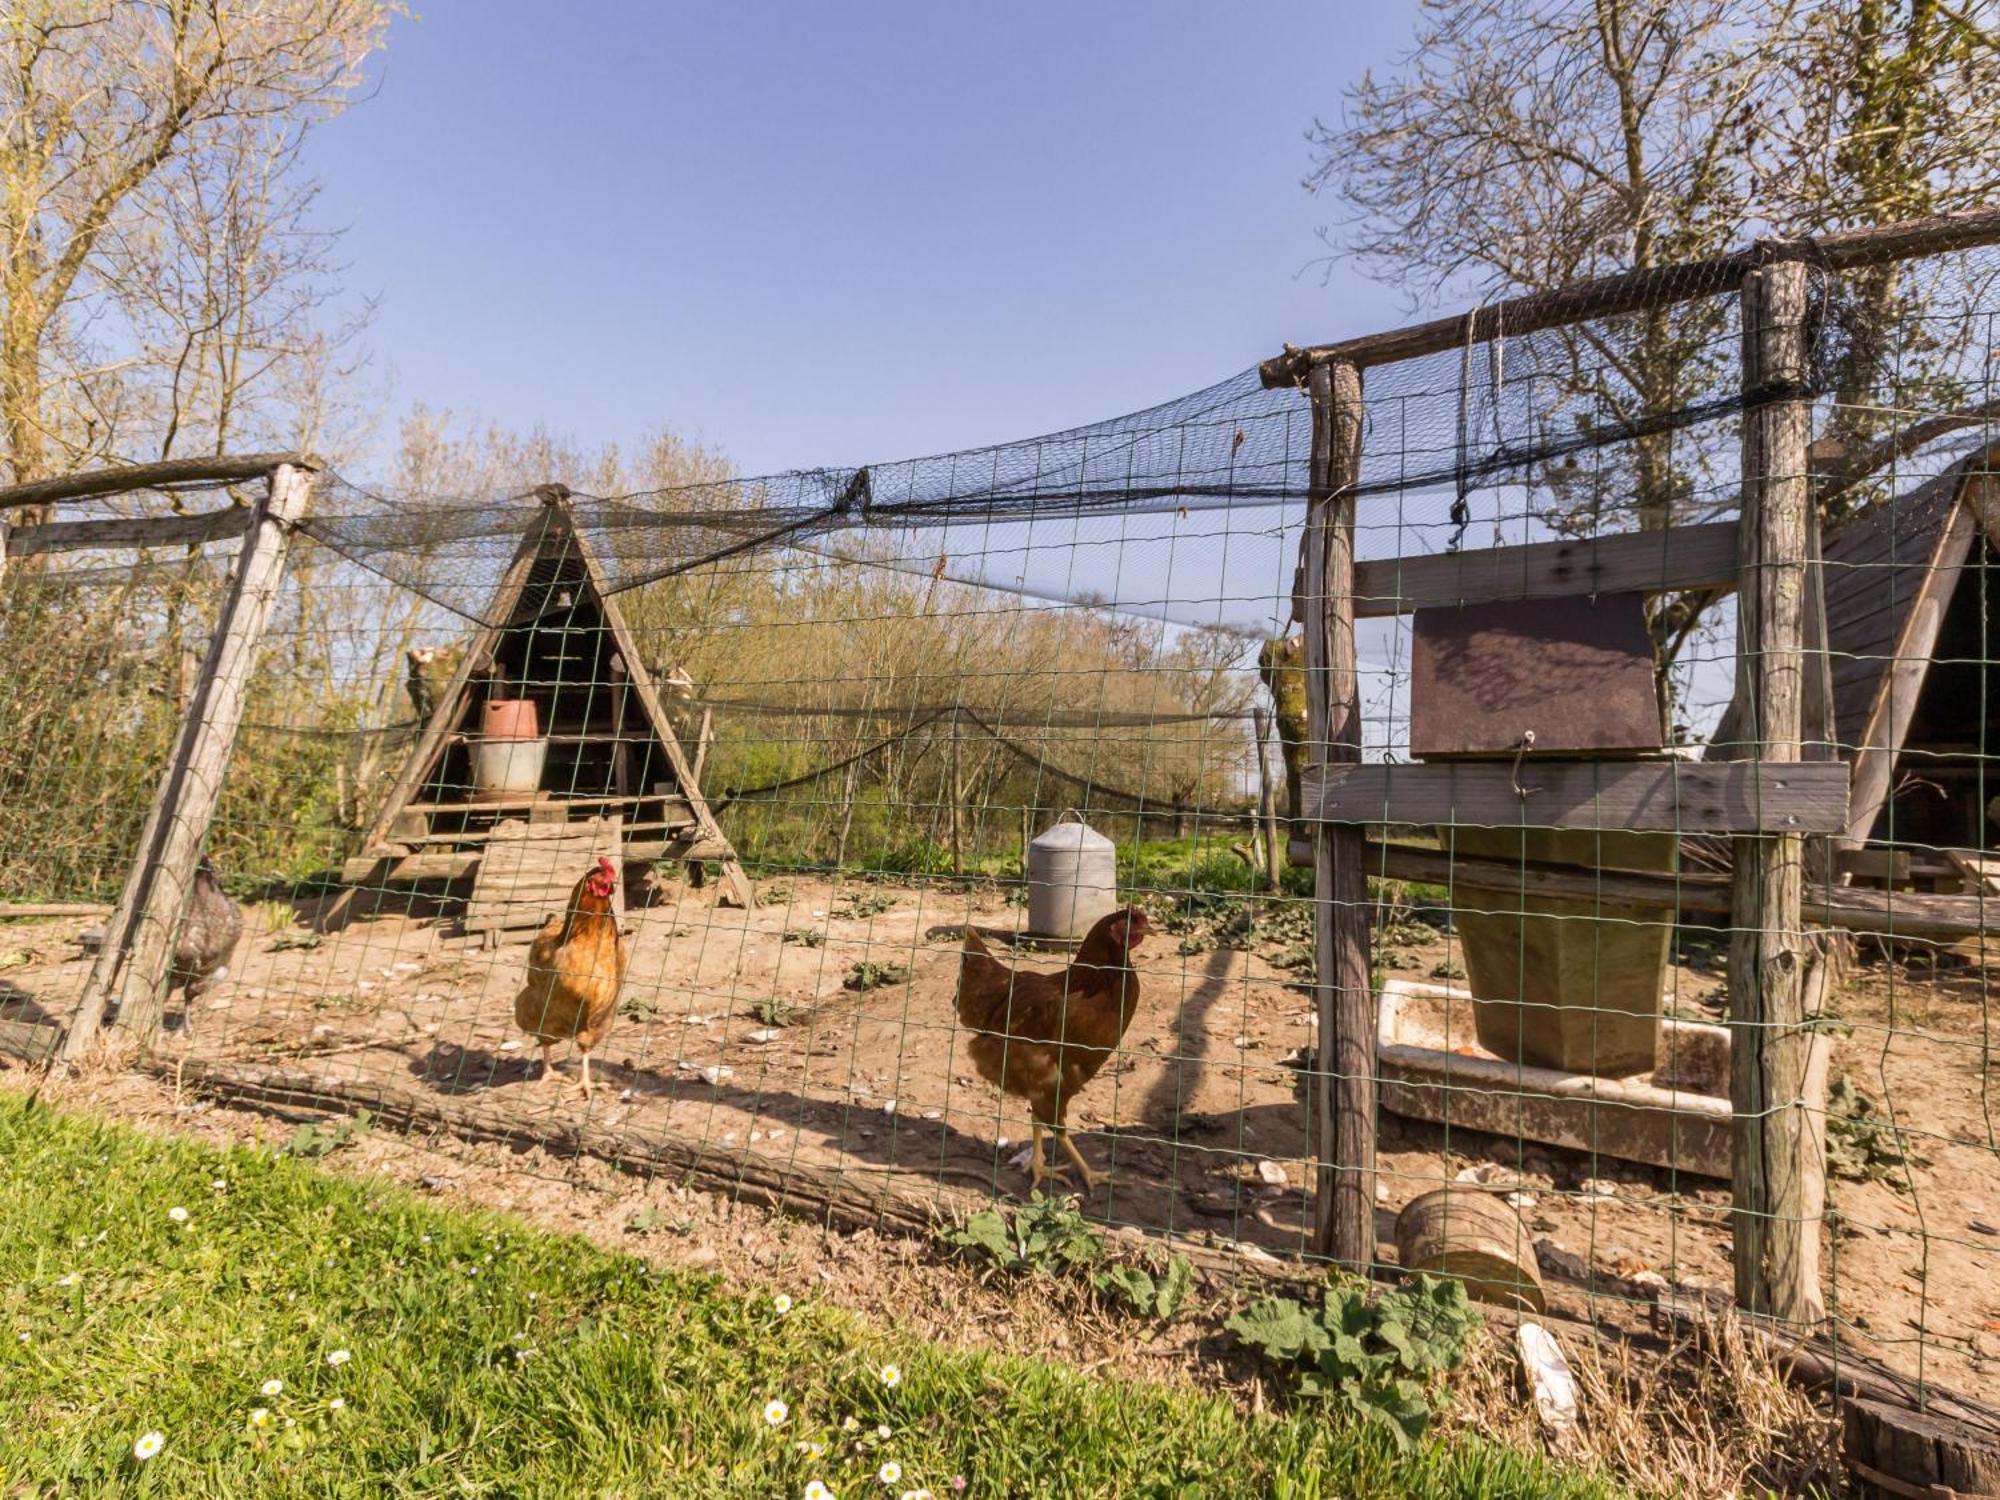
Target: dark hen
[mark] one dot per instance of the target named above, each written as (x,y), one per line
(208,936)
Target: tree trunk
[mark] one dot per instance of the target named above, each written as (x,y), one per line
(1282,665)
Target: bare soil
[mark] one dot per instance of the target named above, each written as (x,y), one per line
(736,1032)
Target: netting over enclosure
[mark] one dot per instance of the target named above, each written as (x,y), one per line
(815,724)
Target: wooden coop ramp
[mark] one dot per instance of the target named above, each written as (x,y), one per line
(553,634)
(529,869)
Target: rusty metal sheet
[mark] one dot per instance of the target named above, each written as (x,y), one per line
(1577,671)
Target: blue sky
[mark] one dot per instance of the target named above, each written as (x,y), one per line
(833,234)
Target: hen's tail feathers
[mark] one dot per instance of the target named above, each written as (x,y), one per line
(978,970)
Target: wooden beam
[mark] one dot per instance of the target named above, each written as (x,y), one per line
(1778,1169)
(1344,1199)
(1897,916)
(140,936)
(15,909)
(1895,704)
(170,471)
(1674,796)
(1683,557)
(130,531)
(1627,291)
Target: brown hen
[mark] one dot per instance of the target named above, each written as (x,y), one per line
(576,967)
(1041,1037)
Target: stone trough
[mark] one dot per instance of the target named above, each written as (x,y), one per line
(1433,1068)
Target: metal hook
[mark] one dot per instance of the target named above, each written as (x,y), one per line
(1527,743)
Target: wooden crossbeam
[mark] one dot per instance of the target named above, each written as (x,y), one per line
(1654,286)
(130,531)
(1667,795)
(1496,886)
(1683,557)
(112,481)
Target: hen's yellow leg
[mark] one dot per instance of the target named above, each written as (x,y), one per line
(1090,1178)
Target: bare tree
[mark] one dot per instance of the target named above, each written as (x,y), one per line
(1521,145)
(158,262)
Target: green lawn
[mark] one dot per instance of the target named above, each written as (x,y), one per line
(426,1352)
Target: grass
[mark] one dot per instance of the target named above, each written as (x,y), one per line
(489,1359)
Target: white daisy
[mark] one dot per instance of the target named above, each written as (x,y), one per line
(70,1280)
(338,1357)
(218,1184)
(817,1491)
(890,1472)
(882,1430)
(775,1413)
(891,1375)
(781,1304)
(260,1417)
(178,1214)
(851,1424)
(338,1403)
(148,1445)
(272,1387)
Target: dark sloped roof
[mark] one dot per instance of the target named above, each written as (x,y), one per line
(1874,567)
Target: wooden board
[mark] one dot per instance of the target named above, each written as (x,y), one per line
(130,531)
(529,869)
(1980,871)
(1576,674)
(1668,795)
(34,1041)
(1685,557)
(1894,1451)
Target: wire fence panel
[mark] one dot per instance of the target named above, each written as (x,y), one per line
(813,723)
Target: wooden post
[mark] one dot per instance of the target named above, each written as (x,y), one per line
(1344,1205)
(139,938)
(1777,1164)
(1267,803)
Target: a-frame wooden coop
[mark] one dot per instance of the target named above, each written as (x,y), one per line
(615,775)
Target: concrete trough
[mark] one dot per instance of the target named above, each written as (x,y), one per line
(1432,1068)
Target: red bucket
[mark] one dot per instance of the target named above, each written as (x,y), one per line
(509,719)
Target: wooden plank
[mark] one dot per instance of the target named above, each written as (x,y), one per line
(1627,291)
(538,802)
(693,846)
(139,938)
(372,871)
(150,476)
(1890,866)
(528,870)
(1777,1182)
(133,531)
(1667,795)
(1344,1196)
(1895,704)
(54,909)
(1981,871)
(1899,916)
(33,1041)
(1682,557)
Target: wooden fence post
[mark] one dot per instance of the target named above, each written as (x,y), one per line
(139,938)
(1344,1204)
(1777,1162)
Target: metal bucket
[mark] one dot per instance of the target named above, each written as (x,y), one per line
(1072,879)
(502,768)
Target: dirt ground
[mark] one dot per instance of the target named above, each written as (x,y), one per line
(735,1035)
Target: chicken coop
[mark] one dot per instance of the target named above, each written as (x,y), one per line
(1516,823)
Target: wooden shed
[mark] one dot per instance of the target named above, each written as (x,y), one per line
(1912,588)
(615,774)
